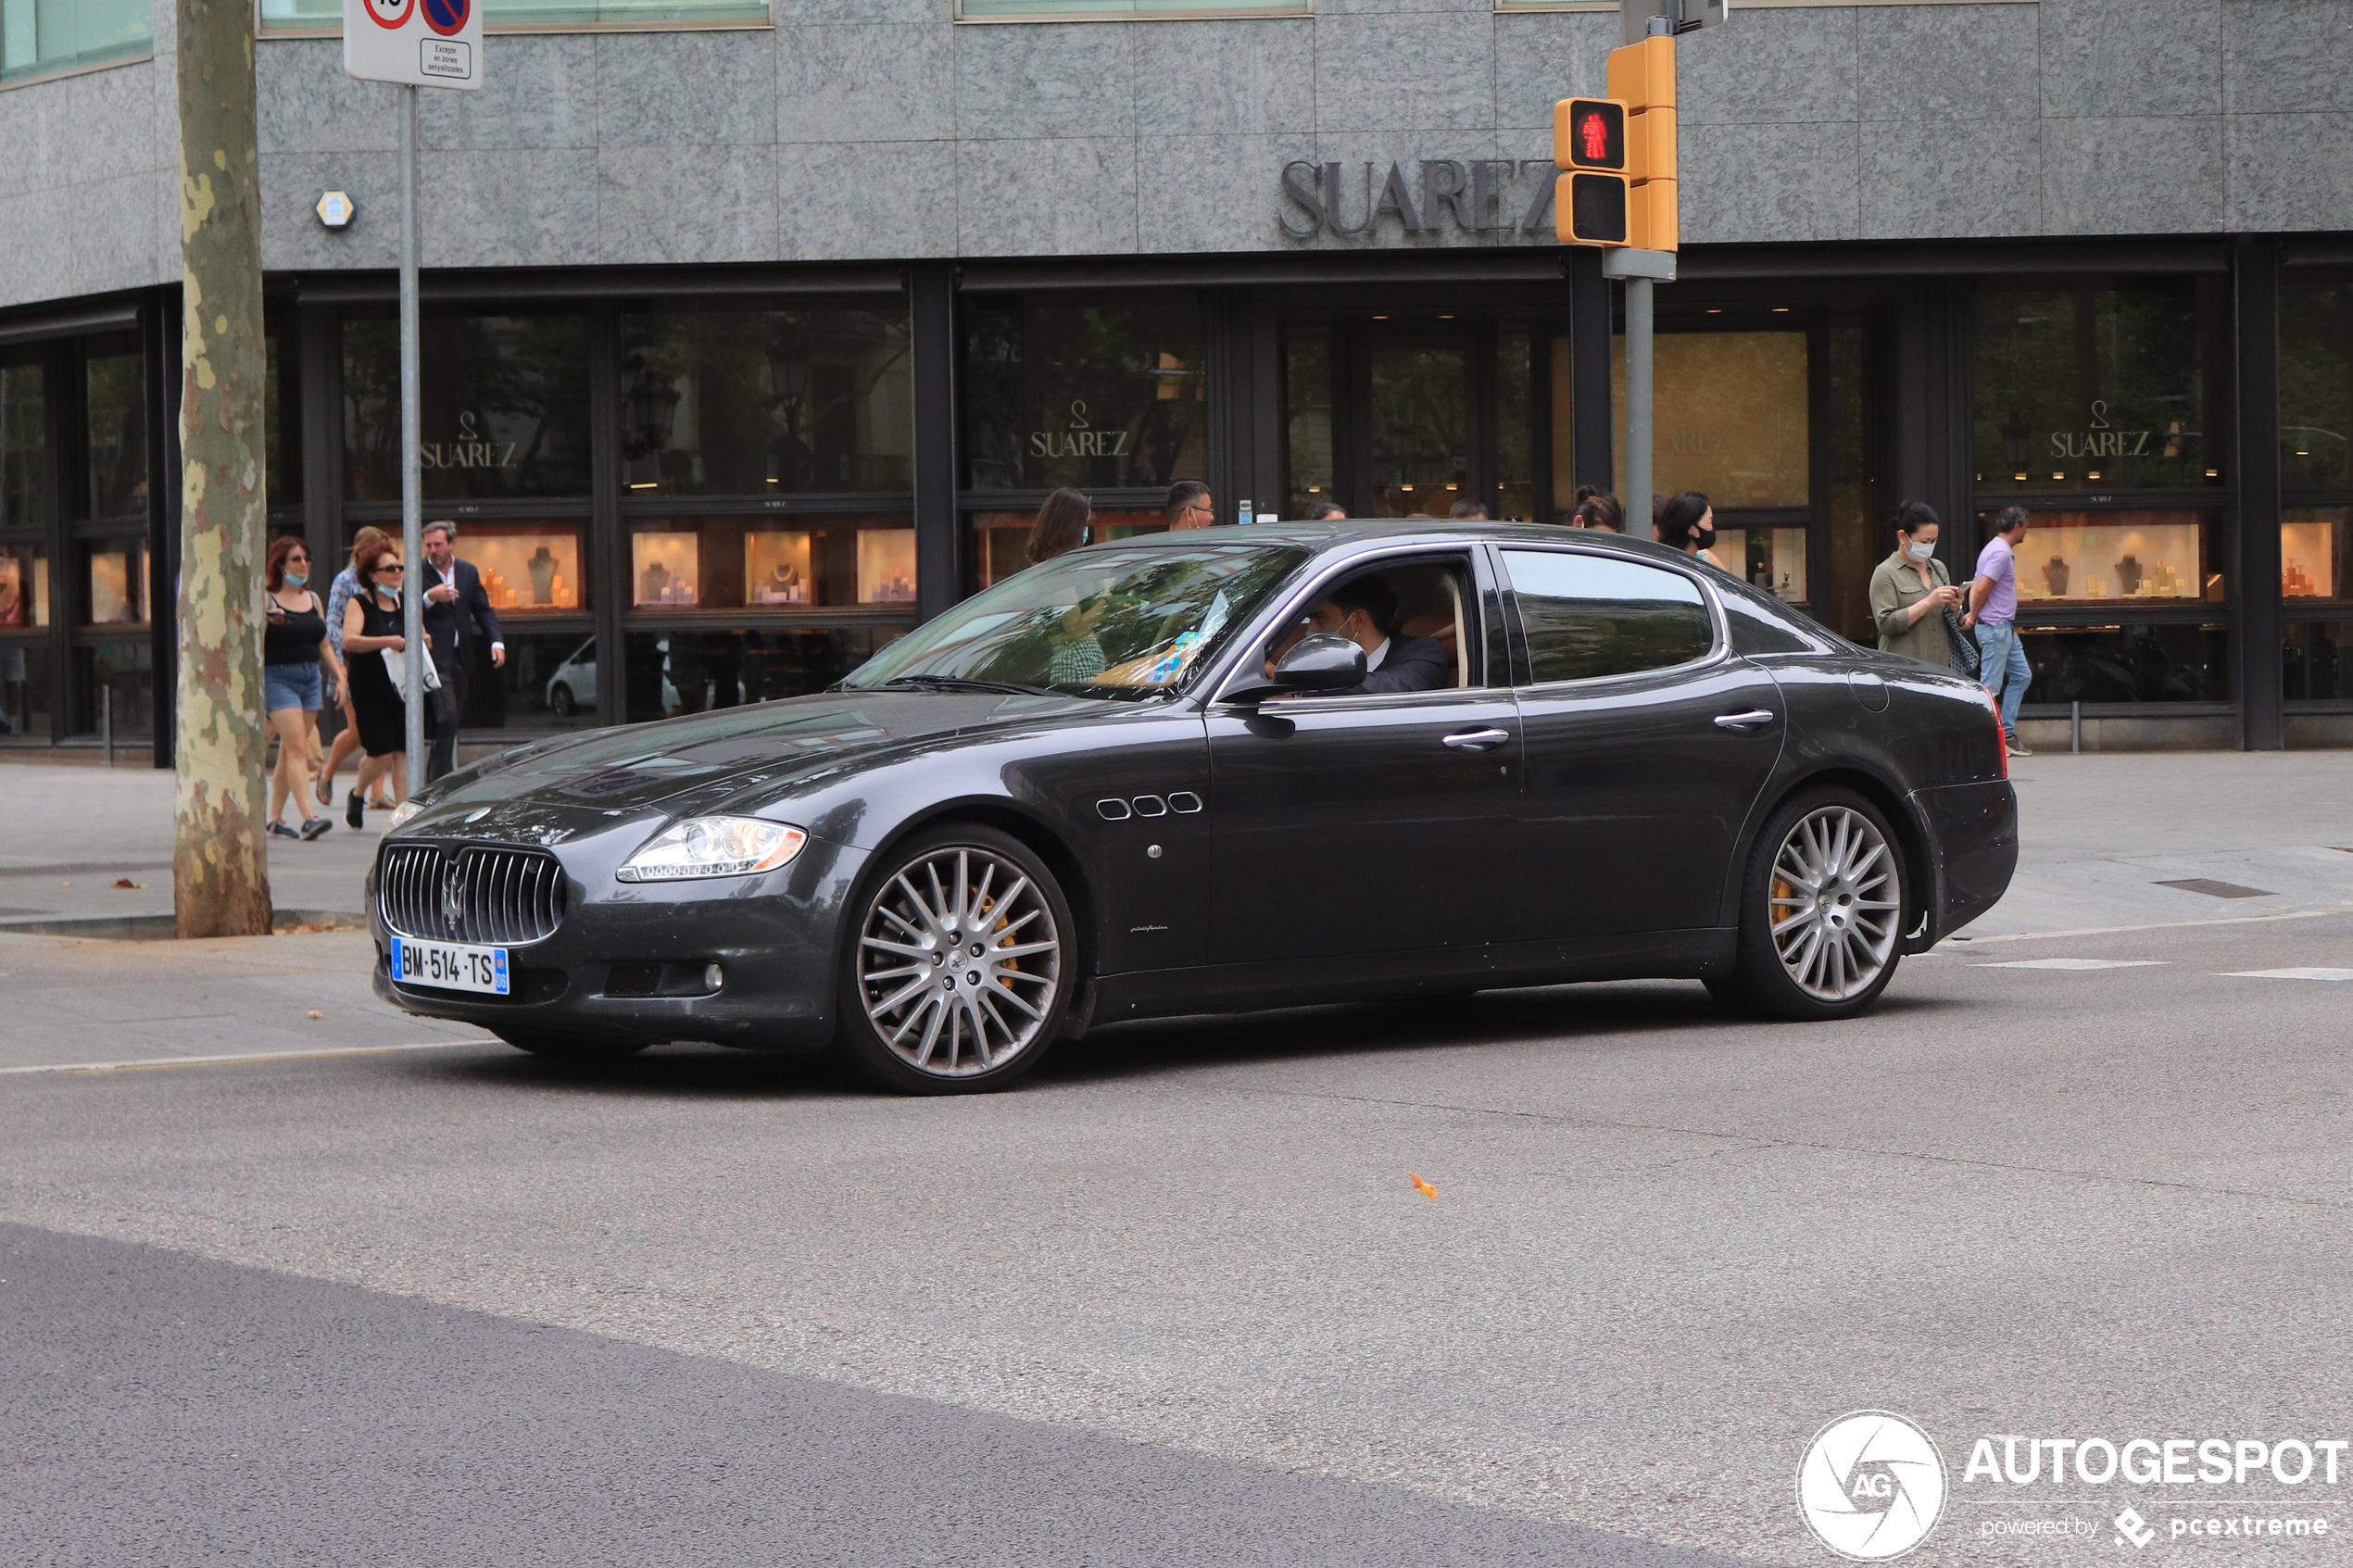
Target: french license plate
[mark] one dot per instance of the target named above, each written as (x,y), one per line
(450,966)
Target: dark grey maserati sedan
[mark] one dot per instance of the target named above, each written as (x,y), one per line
(1217,770)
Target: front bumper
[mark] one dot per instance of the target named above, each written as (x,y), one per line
(774,936)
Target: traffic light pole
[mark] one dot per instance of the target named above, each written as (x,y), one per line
(1643,272)
(1639,445)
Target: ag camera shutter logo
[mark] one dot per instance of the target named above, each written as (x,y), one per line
(1871,1485)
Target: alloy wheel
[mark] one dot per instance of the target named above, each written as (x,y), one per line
(959,962)
(1835,902)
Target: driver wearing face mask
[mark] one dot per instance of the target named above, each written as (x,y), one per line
(1363,610)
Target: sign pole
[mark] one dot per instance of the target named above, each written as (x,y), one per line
(412,599)
(1639,450)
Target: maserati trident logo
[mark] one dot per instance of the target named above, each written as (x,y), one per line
(1871,1485)
(453,895)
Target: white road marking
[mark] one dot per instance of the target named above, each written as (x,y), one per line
(2075,963)
(249,1056)
(2306,973)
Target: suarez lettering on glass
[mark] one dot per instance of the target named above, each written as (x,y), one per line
(1081,440)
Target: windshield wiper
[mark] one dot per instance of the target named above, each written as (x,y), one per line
(961,684)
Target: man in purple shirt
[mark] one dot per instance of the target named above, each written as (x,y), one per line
(1993,612)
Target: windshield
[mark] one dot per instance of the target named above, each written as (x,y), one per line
(1122,622)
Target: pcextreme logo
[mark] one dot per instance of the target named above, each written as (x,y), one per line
(1871,1485)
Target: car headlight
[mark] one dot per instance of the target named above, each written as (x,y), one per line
(713,846)
(401,815)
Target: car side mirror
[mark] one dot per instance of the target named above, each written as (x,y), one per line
(1318,662)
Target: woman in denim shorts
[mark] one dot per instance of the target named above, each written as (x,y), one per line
(294,641)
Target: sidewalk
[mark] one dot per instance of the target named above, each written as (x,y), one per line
(72,832)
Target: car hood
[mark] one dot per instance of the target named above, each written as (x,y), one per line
(622,771)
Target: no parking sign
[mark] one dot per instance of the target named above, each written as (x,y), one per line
(424,43)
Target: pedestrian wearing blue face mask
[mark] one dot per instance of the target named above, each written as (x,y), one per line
(1910,590)
(293,649)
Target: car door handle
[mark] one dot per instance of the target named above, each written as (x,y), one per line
(1756,718)
(1477,740)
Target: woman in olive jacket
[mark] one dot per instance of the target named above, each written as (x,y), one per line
(1910,590)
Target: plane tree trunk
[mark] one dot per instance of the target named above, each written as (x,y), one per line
(219,873)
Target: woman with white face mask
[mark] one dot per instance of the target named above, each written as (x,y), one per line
(1910,590)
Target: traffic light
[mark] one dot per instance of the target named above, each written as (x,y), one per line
(1642,77)
(1589,200)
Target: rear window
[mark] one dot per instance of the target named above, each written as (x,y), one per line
(1589,616)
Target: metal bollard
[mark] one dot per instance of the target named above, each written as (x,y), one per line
(106,724)
(2075,728)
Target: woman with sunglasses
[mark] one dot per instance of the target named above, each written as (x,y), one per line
(372,627)
(294,645)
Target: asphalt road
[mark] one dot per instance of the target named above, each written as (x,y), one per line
(1179,1301)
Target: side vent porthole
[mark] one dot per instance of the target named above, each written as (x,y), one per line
(1113,810)
(1150,806)
(1184,802)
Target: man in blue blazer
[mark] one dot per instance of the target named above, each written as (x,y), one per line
(457,611)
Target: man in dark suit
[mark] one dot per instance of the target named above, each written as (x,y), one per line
(1363,610)
(455,611)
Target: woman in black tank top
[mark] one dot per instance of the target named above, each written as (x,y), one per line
(294,644)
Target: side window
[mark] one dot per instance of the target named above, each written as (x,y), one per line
(1586,616)
(1756,630)
(1420,605)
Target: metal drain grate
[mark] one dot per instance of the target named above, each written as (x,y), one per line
(2218,889)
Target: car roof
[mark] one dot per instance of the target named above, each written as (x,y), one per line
(1339,532)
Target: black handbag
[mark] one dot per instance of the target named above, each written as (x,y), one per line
(1961,649)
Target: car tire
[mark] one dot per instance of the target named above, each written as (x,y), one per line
(958,964)
(557,1048)
(561,703)
(1824,904)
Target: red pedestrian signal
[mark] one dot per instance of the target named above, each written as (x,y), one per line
(1589,133)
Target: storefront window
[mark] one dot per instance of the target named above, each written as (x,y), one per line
(116,419)
(2147,663)
(38,37)
(121,677)
(527,568)
(1858,540)
(694,670)
(2316,376)
(24,688)
(2101,558)
(1418,435)
(24,446)
(2316,665)
(1001,539)
(280,423)
(767,402)
(1514,453)
(1731,417)
(505,407)
(772,563)
(2313,561)
(117,575)
(1307,409)
(2099,383)
(1101,392)
(1773,559)
(24,586)
(548,682)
